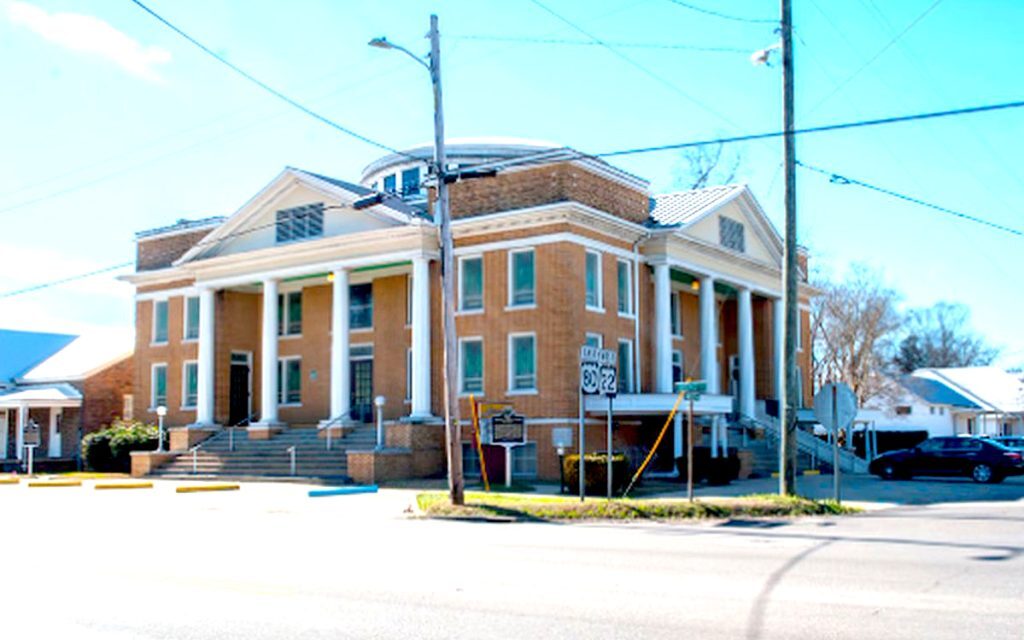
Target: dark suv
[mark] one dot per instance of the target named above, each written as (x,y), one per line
(982,460)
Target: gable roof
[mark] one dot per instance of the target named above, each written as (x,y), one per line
(934,392)
(991,388)
(684,207)
(22,350)
(85,355)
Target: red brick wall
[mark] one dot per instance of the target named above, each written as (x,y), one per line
(103,394)
(162,251)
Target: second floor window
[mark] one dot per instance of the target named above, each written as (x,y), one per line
(411,182)
(471,284)
(523,279)
(523,364)
(625,366)
(289,314)
(189,385)
(625,282)
(593,280)
(360,298)
(191,318)
(389,184)
(677,325)
(158,386)
(471,359)
(299,223)
(160,322)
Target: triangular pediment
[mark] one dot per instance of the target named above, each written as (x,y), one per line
(255,225)
(760,240)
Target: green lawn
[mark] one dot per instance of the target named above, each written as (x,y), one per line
(557,508)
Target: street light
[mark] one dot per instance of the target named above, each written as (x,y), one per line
(453,439)
(379,403)
(161,411)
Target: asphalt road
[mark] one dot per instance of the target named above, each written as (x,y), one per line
(268,562)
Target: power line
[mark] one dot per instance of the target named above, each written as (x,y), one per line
(724,16)
(829,127)
(251,78)
(835,178)
(54,283)
(592,43)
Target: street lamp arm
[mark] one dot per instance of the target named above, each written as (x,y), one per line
(384,43)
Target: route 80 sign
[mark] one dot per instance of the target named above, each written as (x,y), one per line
(598,371)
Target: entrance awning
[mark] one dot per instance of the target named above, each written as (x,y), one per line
(41,396)
(657,404)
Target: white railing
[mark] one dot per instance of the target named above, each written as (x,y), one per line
(334,423)
(809,444)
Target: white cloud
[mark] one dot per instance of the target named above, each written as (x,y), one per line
(90,35)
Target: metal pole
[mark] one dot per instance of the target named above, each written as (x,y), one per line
(160,434)
(689,453)
(583,452)
(31,458)
(380,427)
(835,446)
(609,449)
(456,482)
(787,474)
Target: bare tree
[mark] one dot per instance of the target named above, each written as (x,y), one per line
(854,325)
(940,336)
(704,165)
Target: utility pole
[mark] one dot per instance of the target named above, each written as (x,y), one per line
(787,414)
(453,437)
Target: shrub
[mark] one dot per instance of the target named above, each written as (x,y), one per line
(717,471)
(596,465)
(110,449)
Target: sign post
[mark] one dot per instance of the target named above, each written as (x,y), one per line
(598,375)
(608,459)
(692,391)
(835,407)
(30,441)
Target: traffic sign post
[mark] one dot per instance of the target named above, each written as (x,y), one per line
(598,375)
(835,407)
(691,390)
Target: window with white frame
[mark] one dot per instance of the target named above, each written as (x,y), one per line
(471,365)
(390,183)
(408,374)
(595,340)
(289,313)
(524,461)
(189,384)
(625,366)
(522,278)
(159,322)
(289,380)
(471,283)
(299,223)
(675,314)
(624,278)
(677,366)
(360,306)
(191,315)
(522,365)
(593,280)
(411,182)
(408,300)
(730,234)
(158,386)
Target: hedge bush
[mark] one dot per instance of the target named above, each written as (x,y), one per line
(596,465)
(716,471)
(109,449)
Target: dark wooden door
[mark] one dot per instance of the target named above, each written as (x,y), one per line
(238,402)
(362,390)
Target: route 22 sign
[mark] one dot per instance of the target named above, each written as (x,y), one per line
(598,371)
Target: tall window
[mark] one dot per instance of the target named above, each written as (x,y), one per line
(289,313)
(189,385)
(471,284)
(730,234)
(674,314)
(289,380)
(160,322)
(299,223)
(411,182)
(522,362)
(677,366)
(389,184)
(191,318)
(408,300)
(799,387)
(471,361)
(523,278)
(408,374)
(625,285)
(360,300)
(593,278)
(625,366)
(158,386)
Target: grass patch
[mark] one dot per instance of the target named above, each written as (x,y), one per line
(562,508)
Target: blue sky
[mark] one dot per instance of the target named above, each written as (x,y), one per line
(112,123)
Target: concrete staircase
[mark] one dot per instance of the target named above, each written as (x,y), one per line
(270,458)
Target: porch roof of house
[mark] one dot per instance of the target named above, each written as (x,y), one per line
(44,395)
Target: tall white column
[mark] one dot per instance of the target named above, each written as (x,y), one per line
(746,352)
(341,389)
(420,408)
(677,434)
(708,335)
(19,433)
(662,329)
(205,370)
(268,369)
(778,324)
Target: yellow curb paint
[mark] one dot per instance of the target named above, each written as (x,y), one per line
(124,485)
(812,472)
(56,483)
(207,487)
(10,480)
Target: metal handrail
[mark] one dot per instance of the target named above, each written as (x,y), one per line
(332,424)
(291,450)
(195,457)
(807,443)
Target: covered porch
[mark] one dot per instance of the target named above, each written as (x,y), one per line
(41,407)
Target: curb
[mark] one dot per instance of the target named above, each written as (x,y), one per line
(10,481)
(55,483)
(208,487)
(123,485)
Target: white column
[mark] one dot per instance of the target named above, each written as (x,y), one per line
(677,435)
(341,389)
(268,377)
(746,352)
(54,444)
(778,323)
(708,335)
(662,329)
(420,338)
(19,433)
(207,348)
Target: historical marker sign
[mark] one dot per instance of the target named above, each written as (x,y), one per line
(32,437)
(508,428)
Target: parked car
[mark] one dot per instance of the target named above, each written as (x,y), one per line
(1011,442)
(980,459)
